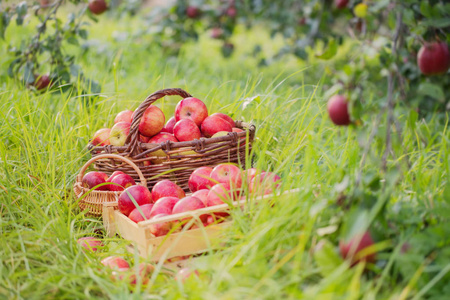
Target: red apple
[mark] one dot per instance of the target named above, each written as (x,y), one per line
(42,82)
(263,183)
(231,12)
(189,204)
(160,229)
(202,195)
(123,180)
(119,133)
(136,216)
(225,117)
(166,188)
(193,12)
(169,126)
(186,130)
(143,139)
(219,194)
(341,3)
(124,116)
(139,193)
(144,271)
(338,110)
(350,249)
(101,137)
(235,129)
(216,32)
(201,179)
(97,7)
(251,173)
(191,108)
(162,137)
(214,124)
(152,121)
(114,175)
(186,273)
(115,262)
(164,205)
(93,179)
(434,58)
(227,173)
(90,243)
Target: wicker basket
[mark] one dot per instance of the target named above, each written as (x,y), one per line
(95,199)
(180,158)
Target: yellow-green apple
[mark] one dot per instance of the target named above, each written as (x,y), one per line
(152,121)
(264,183)
(167,188)
(186,130)
(164,205)
(351,248)
(124,116)
(202,195)
(121,182)
(90,243)
(193,12)
(169,125)
(42,82)
(201,179)
(189,204)
(119,133)
(115,262)
(97,7)
(433,58)
(191,108)
(140,194)
(341,3)
(219,134)
(214,124)
(338,110)
(93,179)
(136,216)
(228,173)
(160,229)
(225,117)
(101,137)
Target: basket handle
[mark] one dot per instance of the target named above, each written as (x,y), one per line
(133,137)
(114,156)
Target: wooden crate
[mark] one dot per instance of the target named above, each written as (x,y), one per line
(182,243)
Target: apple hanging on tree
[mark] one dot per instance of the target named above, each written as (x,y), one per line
(338,110)
(433,58)
(97,7)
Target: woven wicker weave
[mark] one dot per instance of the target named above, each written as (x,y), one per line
(94,200)
(180,158)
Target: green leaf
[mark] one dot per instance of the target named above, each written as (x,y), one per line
(326,257)
(438,23)
(330,51)
(431,90)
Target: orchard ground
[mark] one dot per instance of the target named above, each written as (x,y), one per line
(268,252)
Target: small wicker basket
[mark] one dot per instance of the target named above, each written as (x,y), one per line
(94,200)
(180,159)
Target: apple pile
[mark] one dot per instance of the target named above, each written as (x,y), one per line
(121,270)
(190,121)
(209,186)
(119,181)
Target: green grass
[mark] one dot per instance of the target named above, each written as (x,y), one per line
(268,252)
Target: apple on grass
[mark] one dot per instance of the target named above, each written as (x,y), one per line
(186,130)
(124,116)
(201,179)
(227,173)
(169,125)
(164,205)
(140,194)
(433,58)
(115,262)
(354,248)
(119,133)
(90,243)
(167,188)
(189,204)
(213,124)
(101,137)
(191,108)
(338,110)
(136,216)
(263,183)
(121,182)
(152,121)
(97,7)
(92,179)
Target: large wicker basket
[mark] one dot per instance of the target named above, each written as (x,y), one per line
(94,200)
(181,158)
